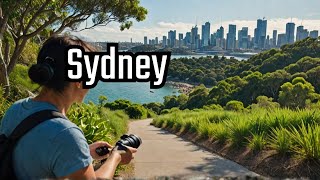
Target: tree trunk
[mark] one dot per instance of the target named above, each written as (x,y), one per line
(4,76)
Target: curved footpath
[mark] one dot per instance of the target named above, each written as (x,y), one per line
(165,154)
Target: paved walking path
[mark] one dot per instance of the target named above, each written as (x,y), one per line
(165,154)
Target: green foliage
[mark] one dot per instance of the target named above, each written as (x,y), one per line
(280,140)
(197,98)
(93,126)
(204,70)
(19,77)
(287,131)
(257,142)
(175,101)
(135,111)
(98,124)
(265,102)
(234,106)
(155,107)
(4,105)
(296,94)
(306,141)
(213,107)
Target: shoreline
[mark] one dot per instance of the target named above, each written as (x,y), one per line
(184,88)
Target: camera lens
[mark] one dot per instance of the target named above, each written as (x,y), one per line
(131,140)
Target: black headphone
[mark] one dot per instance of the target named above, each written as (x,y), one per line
(42,72)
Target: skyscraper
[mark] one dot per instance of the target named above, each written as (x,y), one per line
(187,39)
(282,40)
(314,34)
(180,40)
(194,37)
(243,38)
(220,33)
(231,37)
(157,41)
(172,38)
(164,41)
(213,39)
(260,33)
(274,38)
(301,33)
(290,32)
(206,34)
(145,40)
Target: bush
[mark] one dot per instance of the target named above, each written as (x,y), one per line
(306,141)
(136,111)
(280,140)
(257,142)
(234,106)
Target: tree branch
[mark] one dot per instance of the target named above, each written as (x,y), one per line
(35,16)
(7,52)
(41,28)
(21,28)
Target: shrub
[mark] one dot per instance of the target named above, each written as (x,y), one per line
(136,111)
(280,140)
(95,128)
(306,141)
(257,142)
(234,106)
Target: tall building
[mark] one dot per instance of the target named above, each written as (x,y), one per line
(145,40)
(213,39)
(314,34)
(157,41)
(164,41)
(243,38)
(181,40)
(260,34)
(290,32)
(194,37)
(282,40)
(206,34)
(172,36)
(301,33)
(231,37)
(220,33)
(187,39)
(274,38)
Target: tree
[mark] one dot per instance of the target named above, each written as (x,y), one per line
(23,20)
(197,98)
(313,78)
(234,106)
(272,82)
(265,102)
(295,94)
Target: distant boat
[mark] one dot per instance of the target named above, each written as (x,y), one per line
(151,91)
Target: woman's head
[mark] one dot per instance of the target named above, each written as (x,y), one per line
(49,71)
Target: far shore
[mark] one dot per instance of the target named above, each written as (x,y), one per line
(184,88)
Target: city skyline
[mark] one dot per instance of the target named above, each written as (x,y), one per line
(216,41)
(177,14)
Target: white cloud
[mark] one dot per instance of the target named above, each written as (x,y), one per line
(112,31)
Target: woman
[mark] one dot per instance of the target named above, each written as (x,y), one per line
(57,148)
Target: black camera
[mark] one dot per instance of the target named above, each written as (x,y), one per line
(127,140)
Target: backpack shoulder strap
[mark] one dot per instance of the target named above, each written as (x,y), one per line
(32,121)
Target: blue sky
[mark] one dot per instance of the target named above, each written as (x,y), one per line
(181,15)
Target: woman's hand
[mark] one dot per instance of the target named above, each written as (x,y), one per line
(96,145)
(126,153)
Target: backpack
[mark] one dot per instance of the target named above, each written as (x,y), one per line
(7,144)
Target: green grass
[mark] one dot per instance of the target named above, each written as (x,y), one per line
(289,132)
